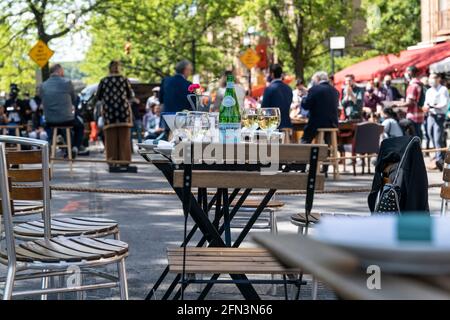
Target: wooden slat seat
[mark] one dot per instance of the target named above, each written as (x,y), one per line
(69,227)
(314,217)
(226,261)
(57,250)
(253,203)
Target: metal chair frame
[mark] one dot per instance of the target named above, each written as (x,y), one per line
(47,270)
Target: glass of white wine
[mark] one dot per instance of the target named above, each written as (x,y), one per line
(250,122)
(269,120)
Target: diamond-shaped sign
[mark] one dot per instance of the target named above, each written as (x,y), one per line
(250,58)
(40,53)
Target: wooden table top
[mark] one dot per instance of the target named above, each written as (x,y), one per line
(342,271)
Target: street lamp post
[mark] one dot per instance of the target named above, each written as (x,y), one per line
(337,46)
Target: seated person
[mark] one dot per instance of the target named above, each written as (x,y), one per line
(391,126)
(153,126)
(372,102)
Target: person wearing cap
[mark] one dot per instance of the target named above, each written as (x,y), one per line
(436,102)
(153,100)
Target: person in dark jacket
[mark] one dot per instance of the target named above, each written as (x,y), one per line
(278,95)
(413,179)
(322,102)
(174,90)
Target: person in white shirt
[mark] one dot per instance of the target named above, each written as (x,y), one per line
(436,104)
(390,123)
(152,126)
(153,100)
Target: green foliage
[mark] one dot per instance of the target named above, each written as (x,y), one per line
(161,32)
(392,25)
(15,65)
(301,28)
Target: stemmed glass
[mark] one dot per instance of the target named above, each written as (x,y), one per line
(249,119)
(269,120)
(180,125)
(197,124)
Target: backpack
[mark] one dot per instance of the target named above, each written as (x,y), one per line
(389,199)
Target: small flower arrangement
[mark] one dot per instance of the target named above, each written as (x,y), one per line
(198,101)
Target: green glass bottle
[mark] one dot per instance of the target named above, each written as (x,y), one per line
(230,115)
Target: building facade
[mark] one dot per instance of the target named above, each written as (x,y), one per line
(435,20)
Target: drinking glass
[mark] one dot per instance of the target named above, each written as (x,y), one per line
(250,121)
(269,120)
(180,125)
(197,124)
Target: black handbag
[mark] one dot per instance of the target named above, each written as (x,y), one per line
(390,195)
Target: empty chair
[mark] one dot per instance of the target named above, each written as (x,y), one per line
(29,174)
(50,257)
(366,142)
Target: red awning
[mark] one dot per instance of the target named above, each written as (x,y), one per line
(395,65)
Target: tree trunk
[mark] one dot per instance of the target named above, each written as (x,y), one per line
(299,67)
(45,71)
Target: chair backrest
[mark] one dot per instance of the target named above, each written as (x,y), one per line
(29,183)
(445,189)
(367,137)
(6,207)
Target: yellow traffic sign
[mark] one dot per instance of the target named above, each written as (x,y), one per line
(40,53)
(250,58)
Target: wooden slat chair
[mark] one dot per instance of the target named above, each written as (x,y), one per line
(445,189)
(32,184)
(57,256)
(212,260)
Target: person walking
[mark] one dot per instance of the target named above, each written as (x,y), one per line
(436,103)
(174,90)
(115,93)
(59,100)
(278,95)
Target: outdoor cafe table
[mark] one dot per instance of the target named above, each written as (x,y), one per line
(346,130)
(235,171)
(342,271)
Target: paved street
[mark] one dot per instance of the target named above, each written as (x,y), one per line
(150,223)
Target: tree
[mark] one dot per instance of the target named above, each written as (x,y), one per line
(46,20)
(392,25)
(301,28)
(15,66)
(161,32)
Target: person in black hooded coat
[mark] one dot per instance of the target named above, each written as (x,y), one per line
(413,179)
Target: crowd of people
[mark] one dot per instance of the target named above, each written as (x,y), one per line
(421,111)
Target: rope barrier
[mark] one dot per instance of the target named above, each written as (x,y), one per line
(64,188)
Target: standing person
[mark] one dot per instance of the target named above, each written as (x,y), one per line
(36,109)
(115,93)
(240,92)
(436,103)
(137,120)
(352,98)
(278,95)
(414,99)
(58,100)
(322,102)
(298,94)
(174,90)
(390,92)
(372,101)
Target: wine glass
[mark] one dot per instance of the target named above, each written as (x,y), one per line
(269,120)
(180,125)
(250,122)
(197,124)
